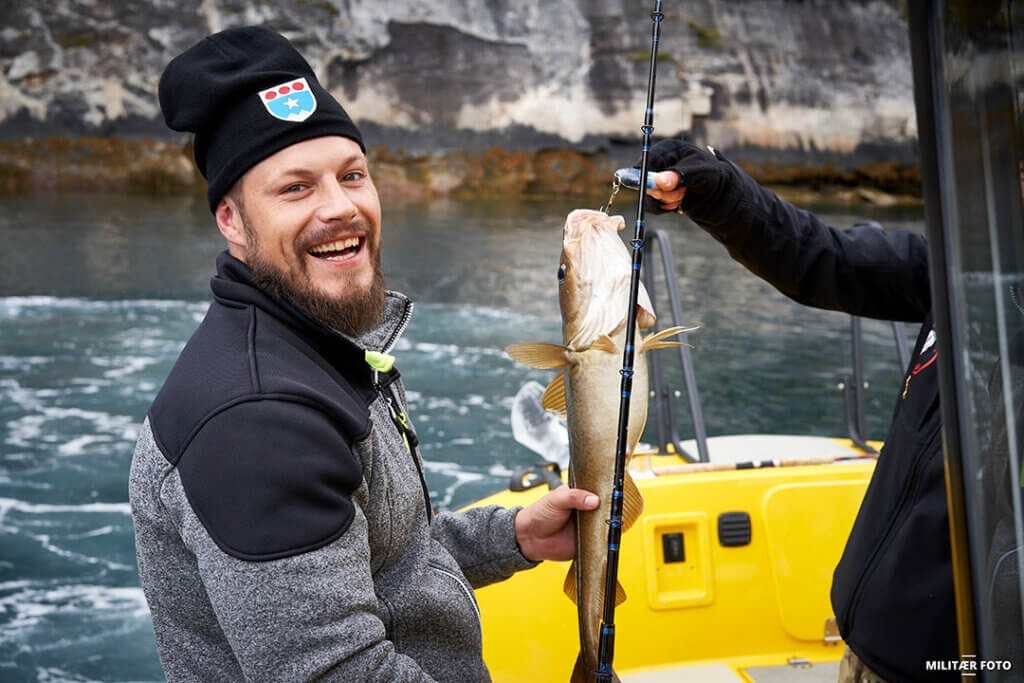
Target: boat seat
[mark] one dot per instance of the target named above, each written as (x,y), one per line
(747,447)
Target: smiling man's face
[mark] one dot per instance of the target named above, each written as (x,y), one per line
(307,222)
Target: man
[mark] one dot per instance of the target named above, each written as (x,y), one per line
(892,591)
(283,527)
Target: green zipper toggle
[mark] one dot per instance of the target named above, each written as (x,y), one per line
(381,362)
(408,435)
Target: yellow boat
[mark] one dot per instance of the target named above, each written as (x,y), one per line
(727,573)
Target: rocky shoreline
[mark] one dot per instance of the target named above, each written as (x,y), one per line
(162,167)
(479,99)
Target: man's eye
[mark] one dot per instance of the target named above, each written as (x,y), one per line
(297,187)
(353,176)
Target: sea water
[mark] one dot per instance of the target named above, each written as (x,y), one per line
(99,292)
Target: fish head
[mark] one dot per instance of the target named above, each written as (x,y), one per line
(594,278)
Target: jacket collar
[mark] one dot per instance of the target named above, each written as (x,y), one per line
(234,282)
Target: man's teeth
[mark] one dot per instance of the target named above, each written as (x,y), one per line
(336,246)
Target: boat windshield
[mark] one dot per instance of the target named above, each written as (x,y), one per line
(970,56)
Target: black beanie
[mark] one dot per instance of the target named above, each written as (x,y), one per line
(246,93)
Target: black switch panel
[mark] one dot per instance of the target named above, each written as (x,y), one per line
(672,546)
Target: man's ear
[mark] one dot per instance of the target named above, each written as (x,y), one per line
(229,221)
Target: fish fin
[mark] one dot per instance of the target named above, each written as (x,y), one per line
(570,582)
(620,594)
(654,346)
(604,343)
(667,332)
(632,502)
(536,355)
(554,398)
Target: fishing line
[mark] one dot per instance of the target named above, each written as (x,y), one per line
(606,643)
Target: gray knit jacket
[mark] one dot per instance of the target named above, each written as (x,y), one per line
(282,525)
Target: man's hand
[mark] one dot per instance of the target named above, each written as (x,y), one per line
(668,191)
(546,529)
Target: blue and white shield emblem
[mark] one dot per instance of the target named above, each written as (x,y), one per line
(289,101)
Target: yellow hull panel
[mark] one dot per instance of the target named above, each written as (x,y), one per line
(763,604)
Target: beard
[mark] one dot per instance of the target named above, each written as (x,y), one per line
(353,315)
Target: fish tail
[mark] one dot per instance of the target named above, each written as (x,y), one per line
(581,673)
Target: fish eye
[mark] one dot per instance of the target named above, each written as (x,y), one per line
(561,272)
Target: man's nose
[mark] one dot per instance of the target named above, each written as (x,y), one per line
(336,203)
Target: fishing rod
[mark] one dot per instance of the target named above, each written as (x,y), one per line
(606,642)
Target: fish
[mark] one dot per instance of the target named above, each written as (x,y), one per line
(594,275)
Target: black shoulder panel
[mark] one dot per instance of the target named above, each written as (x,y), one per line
(241,351)
(213,368)
(270,478)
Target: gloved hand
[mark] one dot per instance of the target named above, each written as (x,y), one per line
(708,179)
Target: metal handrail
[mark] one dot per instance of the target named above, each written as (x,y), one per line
(661,393)
(854,387)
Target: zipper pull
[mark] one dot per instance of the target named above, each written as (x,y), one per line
(407,431)
(380,362)
(400,420)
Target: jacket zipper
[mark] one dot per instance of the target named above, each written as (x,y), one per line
(401,422)
(402,324)
(895,522)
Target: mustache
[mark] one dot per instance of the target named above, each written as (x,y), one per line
(323,233)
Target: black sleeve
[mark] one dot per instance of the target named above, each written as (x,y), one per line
(862,270)
(270,479)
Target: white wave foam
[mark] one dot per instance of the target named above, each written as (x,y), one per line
(21,362)
(22,432)
(78,446)
(7,504)
(499,470)
(452,353)
(124,365)
(493,313)
(102,531)
(32,604)
(24,483)
(456,472)
(49,546)
(14,306)
(53,674)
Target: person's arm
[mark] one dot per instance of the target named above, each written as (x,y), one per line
(862,270)
(282,546)
(491,543)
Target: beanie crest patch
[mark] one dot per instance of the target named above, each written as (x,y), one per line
(292,100)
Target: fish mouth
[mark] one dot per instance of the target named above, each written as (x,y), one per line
(338,249)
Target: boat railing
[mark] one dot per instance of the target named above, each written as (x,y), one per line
(663,396)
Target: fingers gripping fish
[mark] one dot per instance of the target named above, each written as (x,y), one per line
(593,293)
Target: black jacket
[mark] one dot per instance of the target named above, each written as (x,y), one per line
(892,591)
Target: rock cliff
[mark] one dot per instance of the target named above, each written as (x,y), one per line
(795,90)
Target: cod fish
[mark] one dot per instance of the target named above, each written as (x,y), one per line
(593,294)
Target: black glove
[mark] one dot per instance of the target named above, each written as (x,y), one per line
(709,177)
